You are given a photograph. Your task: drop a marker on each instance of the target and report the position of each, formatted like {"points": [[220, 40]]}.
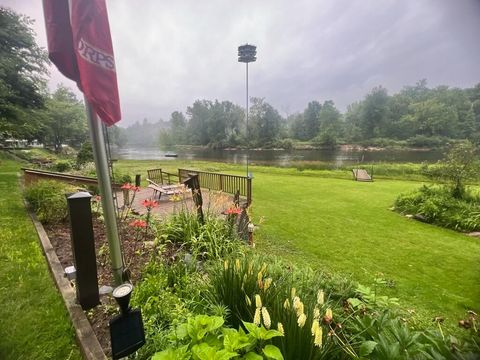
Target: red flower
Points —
{"points": [[98, 198], [138, 224], [149, 204], [126, 186], [233, 210], [135, 188]]}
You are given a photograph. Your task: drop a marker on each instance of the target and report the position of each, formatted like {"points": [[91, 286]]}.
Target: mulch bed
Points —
{"points": [[135, 257]]}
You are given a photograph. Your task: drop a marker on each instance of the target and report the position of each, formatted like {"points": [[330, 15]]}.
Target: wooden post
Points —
{"points": [[249, 191], [194, 184]]}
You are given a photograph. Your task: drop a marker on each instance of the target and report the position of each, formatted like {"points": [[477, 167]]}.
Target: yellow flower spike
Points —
{"points": [[296, 302], [280, 328], [260, 284], [320, 297], [259, 275], [301, 320], [300, 309], [286, 304], [314, 327], [293, 292], [247, 300], [256, 318], [316, 313], [266, 318], [264, 267], [225, 264], [328, 316], [258, 301], [237, 264], [267, 284], [318, 341]]}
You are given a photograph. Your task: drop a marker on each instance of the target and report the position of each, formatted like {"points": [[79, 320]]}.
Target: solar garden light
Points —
{"points": [[122, 295], [126, 329], [251, 229], [247, 53]]}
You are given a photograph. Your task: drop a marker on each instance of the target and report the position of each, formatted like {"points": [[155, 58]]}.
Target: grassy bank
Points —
{"points": [[35, 324], [325, 219]]}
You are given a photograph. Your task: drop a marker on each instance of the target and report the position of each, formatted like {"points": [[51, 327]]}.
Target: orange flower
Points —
{"points": [[138, 224], [234, 210], [149, 204]]}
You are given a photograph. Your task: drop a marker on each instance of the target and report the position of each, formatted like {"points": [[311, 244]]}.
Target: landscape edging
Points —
{"points": [[87, 341]]}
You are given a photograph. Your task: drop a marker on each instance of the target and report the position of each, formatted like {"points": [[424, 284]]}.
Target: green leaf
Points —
{"points": [[367, 347], [355, 303], [268, 334], [252, 356], [181, 353], [251, 327], [225, 355], [272, 352], [203, 351]]}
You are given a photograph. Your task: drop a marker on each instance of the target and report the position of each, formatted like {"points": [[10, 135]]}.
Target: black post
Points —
{"points": [[83, 249], [137, 180]]}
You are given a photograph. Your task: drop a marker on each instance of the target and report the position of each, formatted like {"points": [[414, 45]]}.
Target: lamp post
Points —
{"points": [[247, 53]]}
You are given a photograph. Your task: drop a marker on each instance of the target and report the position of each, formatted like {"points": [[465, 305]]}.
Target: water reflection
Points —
{"points": [[337, 157]]}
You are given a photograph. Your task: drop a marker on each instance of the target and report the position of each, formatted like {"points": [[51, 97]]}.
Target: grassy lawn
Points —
{"points": [[34, 321], [326, 220]]}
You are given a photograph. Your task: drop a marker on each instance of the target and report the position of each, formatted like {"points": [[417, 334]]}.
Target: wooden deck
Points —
{"points": [[213, 201]]}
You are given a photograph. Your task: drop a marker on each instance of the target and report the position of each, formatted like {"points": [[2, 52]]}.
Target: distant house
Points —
{"points": [[14, 143]]}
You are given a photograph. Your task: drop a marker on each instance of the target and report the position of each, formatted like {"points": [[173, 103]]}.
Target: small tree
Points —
{"points": [[461, 165]]}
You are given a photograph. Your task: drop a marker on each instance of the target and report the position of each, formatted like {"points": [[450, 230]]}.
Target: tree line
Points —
{"points": [[415, 116]]}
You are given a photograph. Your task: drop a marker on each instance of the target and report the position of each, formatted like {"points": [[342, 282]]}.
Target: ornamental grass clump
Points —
{"points": [[208, 240], [261, 291], [47, 199]]}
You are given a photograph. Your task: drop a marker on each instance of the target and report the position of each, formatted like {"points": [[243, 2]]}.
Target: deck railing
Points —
{"points": [[231, 184]]}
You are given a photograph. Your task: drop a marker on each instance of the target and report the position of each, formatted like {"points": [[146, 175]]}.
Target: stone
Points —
{"points": [[474, 234], [105, 290]]}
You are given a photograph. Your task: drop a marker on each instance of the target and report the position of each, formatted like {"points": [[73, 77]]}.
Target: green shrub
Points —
{"points": [[204, 337], [62, 166], [214, 238], [121, 178], [47, 199], [85, 154], [438, 206]]}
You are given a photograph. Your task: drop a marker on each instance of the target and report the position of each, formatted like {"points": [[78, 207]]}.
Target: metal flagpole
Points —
{"points": [[101, 166], [248, 133]]}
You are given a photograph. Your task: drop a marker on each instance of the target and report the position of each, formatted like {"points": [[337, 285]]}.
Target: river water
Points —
{"points": [[336, 157]]}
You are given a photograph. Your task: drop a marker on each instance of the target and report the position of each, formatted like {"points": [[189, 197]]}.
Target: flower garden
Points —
{"points": [[206, 294]]}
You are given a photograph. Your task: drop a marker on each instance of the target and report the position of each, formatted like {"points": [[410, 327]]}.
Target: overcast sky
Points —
{"points": [[170, 53]]}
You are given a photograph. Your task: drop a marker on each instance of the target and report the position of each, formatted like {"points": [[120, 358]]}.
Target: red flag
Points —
{"points": [[80, 45]]}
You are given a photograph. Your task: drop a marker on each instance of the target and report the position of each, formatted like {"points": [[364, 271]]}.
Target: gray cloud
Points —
{"points": [[170, 53]]}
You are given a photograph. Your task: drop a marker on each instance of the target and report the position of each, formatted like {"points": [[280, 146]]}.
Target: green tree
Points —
{"points": [[22, 71], [265, 122], [198, 114], [65, 119], [178, 128], [461, 165], [298, 129], [311, 119], [432, 118], [117, 136], [375, 113]]}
